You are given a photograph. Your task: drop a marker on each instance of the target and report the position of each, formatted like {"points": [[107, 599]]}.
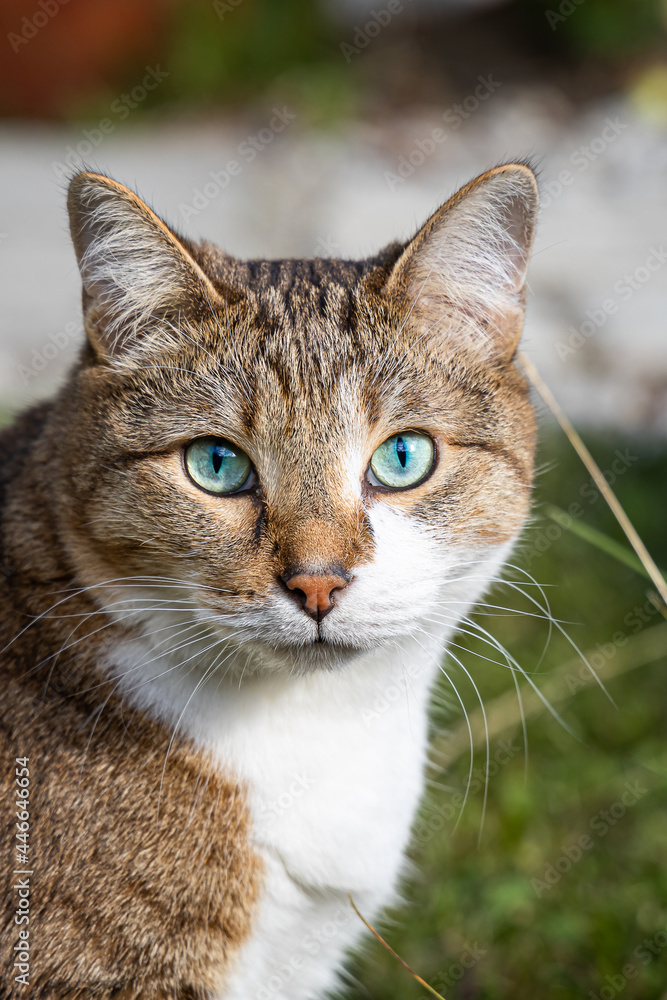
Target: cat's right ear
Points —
{"points": [[135, 270]]}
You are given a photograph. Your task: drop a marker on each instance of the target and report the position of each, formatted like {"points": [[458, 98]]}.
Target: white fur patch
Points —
{"points": [[332, 763]]}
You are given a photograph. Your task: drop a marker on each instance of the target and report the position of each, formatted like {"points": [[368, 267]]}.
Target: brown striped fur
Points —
{"points": [[145, 881]]}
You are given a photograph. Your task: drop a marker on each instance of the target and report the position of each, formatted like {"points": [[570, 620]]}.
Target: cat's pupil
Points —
{"points": [[401, 451], [216, 459]]}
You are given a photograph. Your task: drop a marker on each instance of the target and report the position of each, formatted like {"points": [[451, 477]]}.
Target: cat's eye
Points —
{"points": [[217, 466], [403, 459]]}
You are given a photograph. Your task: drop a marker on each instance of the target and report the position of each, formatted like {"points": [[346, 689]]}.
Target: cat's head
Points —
{"points": [[309, 457]]}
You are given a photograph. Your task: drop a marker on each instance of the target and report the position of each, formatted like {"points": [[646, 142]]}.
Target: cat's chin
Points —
{"points": [[306, 659]]}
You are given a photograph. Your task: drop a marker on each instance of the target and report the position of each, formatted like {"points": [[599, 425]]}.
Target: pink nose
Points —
{"points": [[315, 591]]}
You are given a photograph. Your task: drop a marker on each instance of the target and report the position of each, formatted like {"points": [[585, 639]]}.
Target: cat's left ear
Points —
{"points": [[134, 269], [462, 278]]}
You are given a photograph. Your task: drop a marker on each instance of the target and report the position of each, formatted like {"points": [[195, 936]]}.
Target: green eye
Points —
{"points": [[403, 460], [217, 465]]}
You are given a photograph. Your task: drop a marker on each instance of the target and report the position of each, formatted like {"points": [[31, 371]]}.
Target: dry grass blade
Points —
{"points": [[398, 958], [594, 469]]}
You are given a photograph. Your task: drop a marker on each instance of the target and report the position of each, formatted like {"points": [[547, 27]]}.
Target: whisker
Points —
{"points": [[486, 742], [472, 745], [511, 660], [567, 637], [209, 671]]}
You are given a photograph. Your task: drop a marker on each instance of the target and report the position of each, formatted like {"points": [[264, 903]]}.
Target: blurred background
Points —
{"points": [[288, 127]]}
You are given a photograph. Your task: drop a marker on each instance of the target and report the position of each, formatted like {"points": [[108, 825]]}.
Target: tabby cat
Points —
{"points": [[265, 495]]}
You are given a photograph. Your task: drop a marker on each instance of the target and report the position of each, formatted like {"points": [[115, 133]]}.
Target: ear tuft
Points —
{"points": [[133, 267], [465, 270]]}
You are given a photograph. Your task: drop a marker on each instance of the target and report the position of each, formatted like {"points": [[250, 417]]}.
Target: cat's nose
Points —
{"points": [[315, 591]]}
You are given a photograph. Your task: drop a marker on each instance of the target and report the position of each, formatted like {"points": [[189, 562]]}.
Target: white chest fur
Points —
{"points": [[333, 764]]}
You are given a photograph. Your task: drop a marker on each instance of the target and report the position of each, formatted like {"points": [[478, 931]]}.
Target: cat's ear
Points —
{"points": [[134, 269], [463, 275]]}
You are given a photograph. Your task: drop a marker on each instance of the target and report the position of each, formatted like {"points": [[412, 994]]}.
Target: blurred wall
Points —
{"points": [[348, 128]]}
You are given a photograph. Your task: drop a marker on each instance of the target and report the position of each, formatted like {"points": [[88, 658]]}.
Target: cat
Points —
{"points": [[265, 495]]}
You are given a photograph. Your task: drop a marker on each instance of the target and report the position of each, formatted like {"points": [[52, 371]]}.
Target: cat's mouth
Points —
{"points": [[306, 645]]}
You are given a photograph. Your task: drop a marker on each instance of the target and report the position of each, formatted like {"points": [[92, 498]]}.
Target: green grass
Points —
{"points": [[497, 903]]}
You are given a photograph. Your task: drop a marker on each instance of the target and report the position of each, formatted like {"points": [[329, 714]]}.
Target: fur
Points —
{"points": [[210, 782]]}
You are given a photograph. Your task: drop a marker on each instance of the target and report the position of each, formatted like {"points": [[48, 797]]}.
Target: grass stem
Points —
{"points": [[398, 958], [596, 473]]}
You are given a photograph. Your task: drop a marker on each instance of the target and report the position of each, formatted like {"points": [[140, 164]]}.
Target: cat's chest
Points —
{"points": [[334, 773], [332, 766]]}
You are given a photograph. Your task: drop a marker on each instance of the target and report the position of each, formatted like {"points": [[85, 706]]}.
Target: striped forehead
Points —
{"points": [[317, 363], [323, 371]]}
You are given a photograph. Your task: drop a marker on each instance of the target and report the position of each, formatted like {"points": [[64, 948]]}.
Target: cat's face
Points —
{"points": [[309, 458]]}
